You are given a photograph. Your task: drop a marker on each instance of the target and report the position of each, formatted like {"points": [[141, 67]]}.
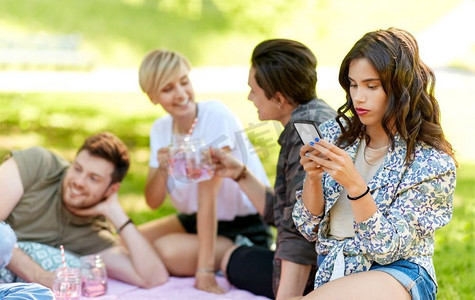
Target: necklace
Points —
{"points": [[192, 128], [193, 125]]}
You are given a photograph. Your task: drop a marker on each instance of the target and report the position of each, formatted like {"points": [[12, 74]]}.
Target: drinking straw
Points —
{"points": [[68, 285], [63, 257]]}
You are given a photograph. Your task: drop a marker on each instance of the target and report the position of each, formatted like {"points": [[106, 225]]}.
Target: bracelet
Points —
{"points": [[204, 270], [123, 226], [360, 196], [241, 175]]}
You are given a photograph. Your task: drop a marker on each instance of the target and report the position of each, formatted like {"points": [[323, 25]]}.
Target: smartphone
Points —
{"points": [[307, 131]]}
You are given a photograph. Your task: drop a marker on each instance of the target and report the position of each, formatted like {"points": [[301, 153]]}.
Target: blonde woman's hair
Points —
{"points": [[159, 67]]}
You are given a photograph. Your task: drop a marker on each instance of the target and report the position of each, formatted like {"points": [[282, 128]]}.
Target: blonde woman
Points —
{"points": [[211, 213]]}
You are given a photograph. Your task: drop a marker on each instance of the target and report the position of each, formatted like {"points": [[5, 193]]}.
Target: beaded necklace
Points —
{"points": [[193, 125]]}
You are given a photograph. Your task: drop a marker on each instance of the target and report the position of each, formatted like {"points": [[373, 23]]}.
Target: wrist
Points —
{"points": [[205, 270], [357, 194], [43, 277], [315, 178], [356, 187], [241, 175], [117, 217], [163, 167], [125, 224]]}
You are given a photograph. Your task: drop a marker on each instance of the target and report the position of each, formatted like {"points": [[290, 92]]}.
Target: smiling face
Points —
{"points": [[177, 95], [367, 94], [267, 109], [87, 181]]}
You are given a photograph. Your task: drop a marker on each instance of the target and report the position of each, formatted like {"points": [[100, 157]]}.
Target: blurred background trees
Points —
{"points": [[213, 32]]}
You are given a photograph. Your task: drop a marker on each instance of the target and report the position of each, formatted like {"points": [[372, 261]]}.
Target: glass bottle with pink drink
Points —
{"points": [[94, 276]]}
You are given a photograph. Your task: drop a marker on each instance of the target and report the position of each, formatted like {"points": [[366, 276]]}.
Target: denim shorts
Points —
{"points": [[413, 277]]}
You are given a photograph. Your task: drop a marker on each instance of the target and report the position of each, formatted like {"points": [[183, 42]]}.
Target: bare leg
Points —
{"points": [[295, 277], [365, 285], [180, 252], [160, 227]]}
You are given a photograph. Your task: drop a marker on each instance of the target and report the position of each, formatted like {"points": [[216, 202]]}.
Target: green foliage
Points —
{"points": [[62, 121]]}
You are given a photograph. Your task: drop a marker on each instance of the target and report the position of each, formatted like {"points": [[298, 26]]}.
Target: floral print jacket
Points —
{"points": [[414, 199]]}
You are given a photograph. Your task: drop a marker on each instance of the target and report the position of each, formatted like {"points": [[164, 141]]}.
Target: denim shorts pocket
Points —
{"points": [[424, 287], [413, 277]]}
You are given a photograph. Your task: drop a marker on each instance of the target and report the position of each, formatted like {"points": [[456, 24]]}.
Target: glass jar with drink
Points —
{"points": [[67, 284], [93, 275], [190, 160]]}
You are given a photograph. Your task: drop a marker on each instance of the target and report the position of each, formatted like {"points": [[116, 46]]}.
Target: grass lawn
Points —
{"points": [[62, 121]]}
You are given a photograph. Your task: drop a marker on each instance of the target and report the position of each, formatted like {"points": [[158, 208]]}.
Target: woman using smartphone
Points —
{"points": [[382, 178]]}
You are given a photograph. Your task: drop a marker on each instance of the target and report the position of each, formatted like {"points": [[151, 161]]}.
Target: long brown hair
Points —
{"points": [[413, 111]]}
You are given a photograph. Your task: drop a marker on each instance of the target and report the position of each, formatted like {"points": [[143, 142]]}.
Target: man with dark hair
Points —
{"points": [[50, 202], [286, 67], [283, 81]]}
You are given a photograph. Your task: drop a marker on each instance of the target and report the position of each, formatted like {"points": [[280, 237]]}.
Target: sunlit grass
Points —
{"points": [[454, 257]]}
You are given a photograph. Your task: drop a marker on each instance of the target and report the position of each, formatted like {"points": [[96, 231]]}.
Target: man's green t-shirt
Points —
{"points": [[40, 215]]}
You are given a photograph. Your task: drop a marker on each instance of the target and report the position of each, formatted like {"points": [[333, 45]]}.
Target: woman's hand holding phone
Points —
{"points": [[318, 155], [337, 163], [308, 156]]}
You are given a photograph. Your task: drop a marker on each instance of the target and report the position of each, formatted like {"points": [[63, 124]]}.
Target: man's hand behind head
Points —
{"points": [[104, 207]]}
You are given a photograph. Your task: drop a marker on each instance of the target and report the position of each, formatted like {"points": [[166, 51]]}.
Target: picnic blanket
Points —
{"points": [[176, 288]]}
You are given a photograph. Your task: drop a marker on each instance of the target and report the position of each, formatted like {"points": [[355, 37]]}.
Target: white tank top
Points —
{"points": [[367, 162]]}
